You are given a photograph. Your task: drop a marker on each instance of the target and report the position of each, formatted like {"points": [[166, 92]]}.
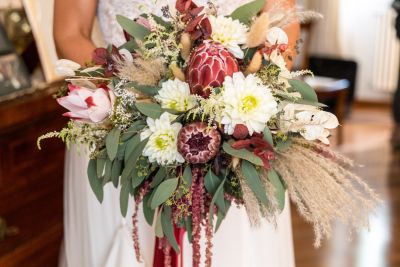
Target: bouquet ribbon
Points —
{"points": [[176, 258]]}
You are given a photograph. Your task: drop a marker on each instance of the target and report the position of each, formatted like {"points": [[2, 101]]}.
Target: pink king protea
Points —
{"points": [[198, 143], [208, 66]]}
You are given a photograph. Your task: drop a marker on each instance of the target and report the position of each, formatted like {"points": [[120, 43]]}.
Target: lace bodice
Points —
{"points": [[109, 9]]}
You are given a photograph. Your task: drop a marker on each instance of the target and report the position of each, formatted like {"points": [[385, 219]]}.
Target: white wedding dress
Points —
{"points": [[96, 235]]}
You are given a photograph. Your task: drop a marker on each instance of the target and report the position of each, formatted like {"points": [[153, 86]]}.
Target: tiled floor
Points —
{"points": [[367, 141]]}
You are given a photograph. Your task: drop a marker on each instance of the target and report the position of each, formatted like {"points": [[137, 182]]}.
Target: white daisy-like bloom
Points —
{"points": [[230, 33], [162, 144], [247, 101], [175, 95], [311, 122]]}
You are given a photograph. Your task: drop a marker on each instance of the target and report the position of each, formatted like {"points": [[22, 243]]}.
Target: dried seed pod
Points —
{"points": [[255, 63], [186, 44]]}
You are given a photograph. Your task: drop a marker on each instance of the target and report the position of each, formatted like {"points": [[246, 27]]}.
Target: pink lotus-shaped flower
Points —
{"points": [[198, 143], [91, 105]]}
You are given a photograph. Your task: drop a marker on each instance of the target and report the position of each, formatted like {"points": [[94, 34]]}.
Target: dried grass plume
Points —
{"points": [[323, 189], [143, 71], [258, 31]]}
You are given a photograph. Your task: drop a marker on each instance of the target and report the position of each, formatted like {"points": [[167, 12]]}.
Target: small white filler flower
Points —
{"points": [[247, 101], [162, 144], [175, 95], [230, 33]]}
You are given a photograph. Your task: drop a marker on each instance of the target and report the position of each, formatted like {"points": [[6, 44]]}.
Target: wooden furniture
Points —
{"points": [[31, 181]]}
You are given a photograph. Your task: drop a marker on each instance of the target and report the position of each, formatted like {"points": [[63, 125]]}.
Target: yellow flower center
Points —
{"points": [[162, 141], [249, 103]]}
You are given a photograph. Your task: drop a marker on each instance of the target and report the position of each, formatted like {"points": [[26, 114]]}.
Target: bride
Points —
{"points": [[95, 235]]}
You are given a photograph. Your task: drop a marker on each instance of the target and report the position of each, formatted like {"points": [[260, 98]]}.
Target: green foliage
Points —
{"points": [[168, 228], [218, 199], [280, 189], [124, 198], [211, 182], [306, 91], [151, 110], [112, 142], [187, 176], [147, 210], [246, 12], [145, 89], [253, 180], [163, 192], [94, 180], [132, 28], [242, 154], [268, 136]]}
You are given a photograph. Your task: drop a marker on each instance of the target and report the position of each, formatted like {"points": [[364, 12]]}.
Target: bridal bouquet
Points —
{"points": [[197, 112]]}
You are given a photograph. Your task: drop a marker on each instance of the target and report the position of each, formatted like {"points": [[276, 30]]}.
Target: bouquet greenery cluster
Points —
{"points": [[197, 112]]}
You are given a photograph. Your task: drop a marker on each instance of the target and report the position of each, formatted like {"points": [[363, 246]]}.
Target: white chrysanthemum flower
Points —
{"points": [[247, 102], [230, 33], [175, 95], [311, 122], [162, 144]]}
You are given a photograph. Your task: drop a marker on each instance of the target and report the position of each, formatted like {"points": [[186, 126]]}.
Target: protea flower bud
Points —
{"points": [[198, 143], [208, 66]]}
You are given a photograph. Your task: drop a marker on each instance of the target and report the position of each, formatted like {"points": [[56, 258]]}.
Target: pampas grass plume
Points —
{"points": [[177, 72], [255, 63], [186, 44]]}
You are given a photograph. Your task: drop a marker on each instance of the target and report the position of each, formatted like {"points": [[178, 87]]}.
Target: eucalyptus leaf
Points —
{"points": [[133, 28], [221, 216], [116, 172], [268, 136], [107, 171], [159, 177], [246, 12], [101, 162], [189, 229], [151, 110], [133, 130], [306, 91], [218, 199], [131, 46], [145, 89], [242, 154], [112, 142], [137, 179], [187, 176], [130, 146], [211, 182], [132, 159], [94, 181], [168, 228], [147, 211], [253, 180], [163, 192], [280, 190], [159, 229], [124, 199]]}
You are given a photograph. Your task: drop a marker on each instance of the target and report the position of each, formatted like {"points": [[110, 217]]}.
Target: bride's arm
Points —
{"points": [[73, 22], [293, 30]]}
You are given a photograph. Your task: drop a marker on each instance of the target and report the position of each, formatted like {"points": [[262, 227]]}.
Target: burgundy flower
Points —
{"points": [[198, 143], [197, 24], [240, 132], [259, 147], [105, 58], [208, 66]]}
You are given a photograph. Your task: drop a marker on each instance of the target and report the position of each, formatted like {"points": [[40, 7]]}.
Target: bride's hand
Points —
{"points": [[73, 23]]}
